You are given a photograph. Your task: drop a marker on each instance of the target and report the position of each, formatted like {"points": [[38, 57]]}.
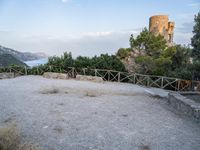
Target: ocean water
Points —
{"points": [[35, 63]]}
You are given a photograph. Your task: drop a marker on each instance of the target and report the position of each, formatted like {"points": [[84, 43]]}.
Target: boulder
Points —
{"points": [[53, 75], [6, 75], [89, 78]]}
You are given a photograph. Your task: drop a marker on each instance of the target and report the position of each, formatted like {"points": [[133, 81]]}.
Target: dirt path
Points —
{"points": [[69, 114]]}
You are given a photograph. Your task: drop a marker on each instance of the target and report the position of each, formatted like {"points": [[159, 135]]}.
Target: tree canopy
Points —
{"points": [[195, 41], [155, 57], [104, 61]]}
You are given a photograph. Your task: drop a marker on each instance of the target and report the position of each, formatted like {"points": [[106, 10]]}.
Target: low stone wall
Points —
{"points": [[89, 78], [6, 75], [53, 75], [184, 105]]}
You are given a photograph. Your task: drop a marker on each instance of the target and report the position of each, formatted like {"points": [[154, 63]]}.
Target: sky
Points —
{"points": [[87, 27]]}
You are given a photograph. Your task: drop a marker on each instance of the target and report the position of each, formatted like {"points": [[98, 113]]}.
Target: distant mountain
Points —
{"points": [[8, 59], [26, 56]]}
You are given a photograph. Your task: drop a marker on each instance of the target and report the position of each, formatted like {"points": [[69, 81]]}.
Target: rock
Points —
{"points": [[6, 75], [89, 78], [53, 75]]}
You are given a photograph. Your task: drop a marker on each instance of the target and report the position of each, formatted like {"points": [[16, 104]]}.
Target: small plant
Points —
{"points": [[10, 139], [91, 93], [145, 147], [51, 90]]}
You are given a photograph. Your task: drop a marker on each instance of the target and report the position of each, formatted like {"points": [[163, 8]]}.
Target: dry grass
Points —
{"points": [[50, 90], [58, 130], [92, 93], [145, 147], [28, 147], [10, 139]]}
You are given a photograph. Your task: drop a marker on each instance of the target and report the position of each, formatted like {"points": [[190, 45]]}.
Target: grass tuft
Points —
{"points": [[51, 90], [10, 139], [91, 94]]}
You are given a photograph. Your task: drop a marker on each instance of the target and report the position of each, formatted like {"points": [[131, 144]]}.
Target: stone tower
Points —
{"points": [[160, 24]]}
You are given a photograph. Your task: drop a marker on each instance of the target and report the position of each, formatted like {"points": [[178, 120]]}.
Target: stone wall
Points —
{"points": [[89, 78], [53, 75], [6, 75], [184, 105]]}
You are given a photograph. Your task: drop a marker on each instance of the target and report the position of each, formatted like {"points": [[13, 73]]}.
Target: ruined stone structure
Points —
{"points": [[160, 24]]}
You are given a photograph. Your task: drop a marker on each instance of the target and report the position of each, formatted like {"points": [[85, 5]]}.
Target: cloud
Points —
{"points": [[186, 27], [183, 33], [85, 44], [183, 38], [194, 4]]}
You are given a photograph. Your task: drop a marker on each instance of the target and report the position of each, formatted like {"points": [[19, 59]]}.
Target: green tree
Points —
{"points": [[104, 61], [64, 61], [123, 52], [83, 62], [148, 43], [181, 57], [195, 41], [153, 55]]}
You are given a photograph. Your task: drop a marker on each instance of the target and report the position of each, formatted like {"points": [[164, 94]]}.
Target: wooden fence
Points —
{"points": [[113, 76]]}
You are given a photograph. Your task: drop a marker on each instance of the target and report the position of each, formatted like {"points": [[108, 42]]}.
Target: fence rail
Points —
{"points": [[111, 75]]}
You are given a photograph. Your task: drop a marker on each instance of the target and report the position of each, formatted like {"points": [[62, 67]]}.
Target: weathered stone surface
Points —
{"points": [[160, 24], [54, 75], [89, 78], [184, 105], [6, 75]]}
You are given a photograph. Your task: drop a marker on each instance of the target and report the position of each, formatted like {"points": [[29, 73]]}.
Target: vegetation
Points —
{"points": [[104, 61], [152, 55], [156, 58], [7, 60], [195, 42], [123, 52], [10, 139]]}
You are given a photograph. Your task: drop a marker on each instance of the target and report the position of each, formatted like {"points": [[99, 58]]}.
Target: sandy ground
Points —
{"points": [[80, 115]]}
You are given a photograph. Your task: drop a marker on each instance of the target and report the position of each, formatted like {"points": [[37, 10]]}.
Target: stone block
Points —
{"points": [[6, 75], [53, 75], [89, 78]]}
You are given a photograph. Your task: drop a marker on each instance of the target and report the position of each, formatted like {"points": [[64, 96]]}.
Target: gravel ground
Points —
{"points": [[80, 115]]}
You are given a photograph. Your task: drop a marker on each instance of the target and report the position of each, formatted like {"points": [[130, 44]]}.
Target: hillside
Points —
{"points": [[26, 56], [7, 59]]}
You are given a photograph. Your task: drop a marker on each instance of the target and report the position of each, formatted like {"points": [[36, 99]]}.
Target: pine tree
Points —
{"points": [[195, 41]]}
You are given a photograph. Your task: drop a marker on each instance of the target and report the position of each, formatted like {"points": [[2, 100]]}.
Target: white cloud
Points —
{"points": [[86, 44], [183, 38], [194, 4]]}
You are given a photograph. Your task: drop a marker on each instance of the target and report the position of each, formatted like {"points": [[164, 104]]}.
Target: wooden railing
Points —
{"points": [[113, 76]]}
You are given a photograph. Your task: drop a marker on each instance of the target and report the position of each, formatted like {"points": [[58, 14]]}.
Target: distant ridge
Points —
{"points": [[7, 60], [26, 56]]}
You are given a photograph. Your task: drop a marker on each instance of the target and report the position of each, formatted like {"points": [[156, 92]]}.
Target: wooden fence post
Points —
{"points": [[134, 76], [38, 73], [50, 68], [119, 77], [25, 70], [73, 74], [83, 71], [95, 72], [108, 75], [148, 80], [162, 80]]}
